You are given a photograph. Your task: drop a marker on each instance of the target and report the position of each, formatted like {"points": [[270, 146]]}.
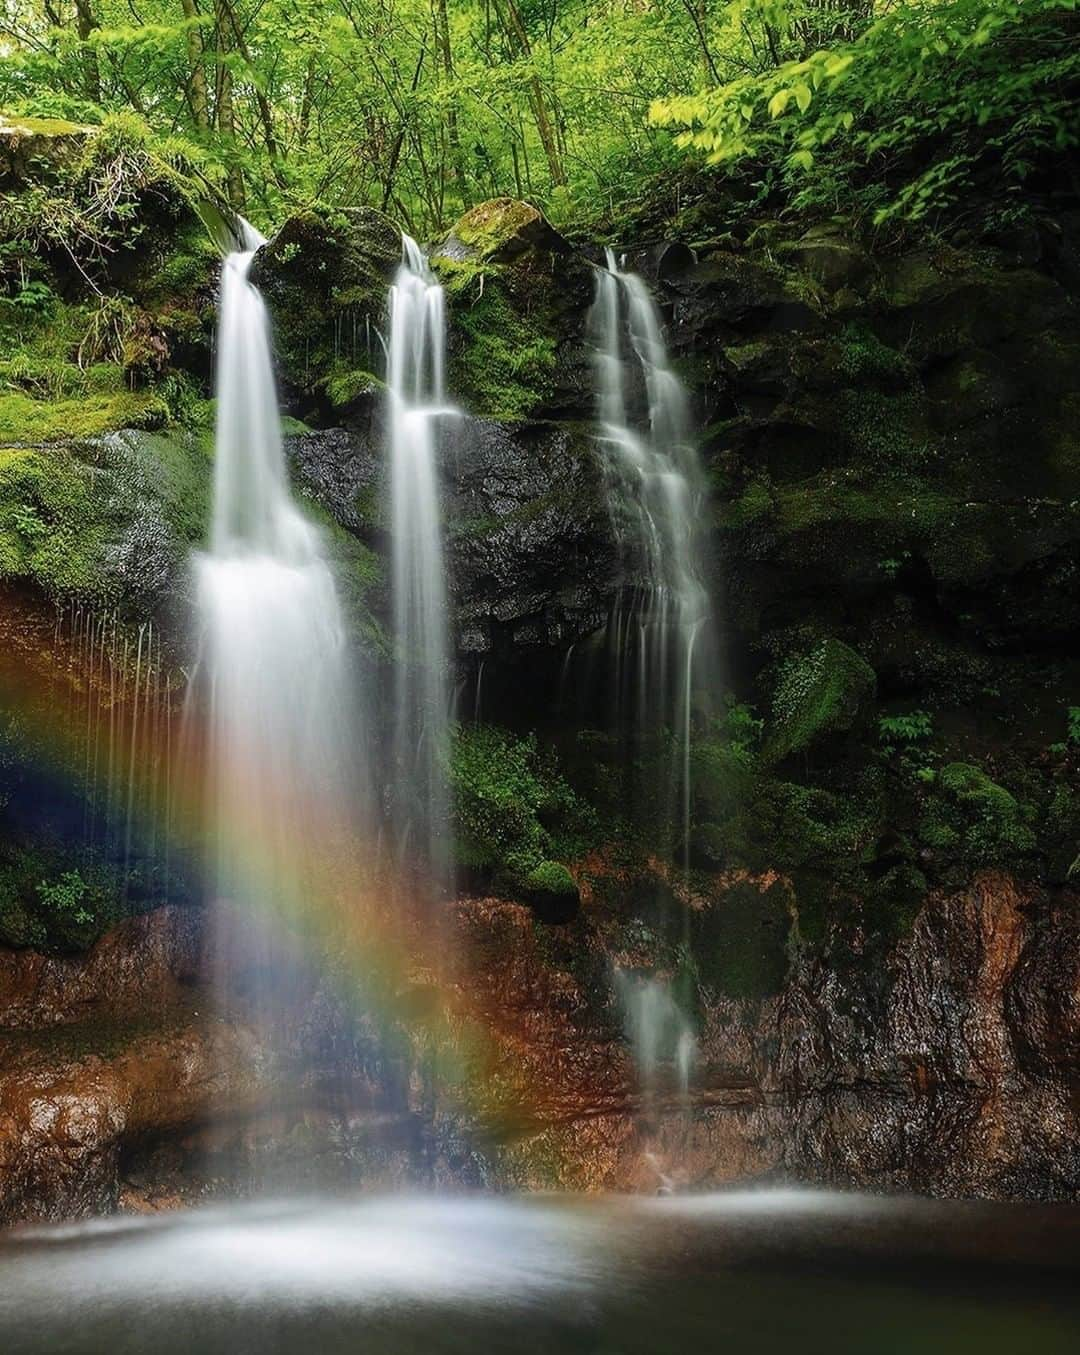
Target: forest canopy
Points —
{"points": [[885, 110]]}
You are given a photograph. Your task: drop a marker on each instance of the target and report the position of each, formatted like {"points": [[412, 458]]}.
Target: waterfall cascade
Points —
{"points": [[656, 494], [660, 1034], [272, 666], [416, 381]]}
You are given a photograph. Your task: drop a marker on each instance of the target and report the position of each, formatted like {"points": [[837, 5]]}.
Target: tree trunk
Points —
{"points": [[226, 113], [85, 24], [200, 101], [442, 36], [520, 46]]}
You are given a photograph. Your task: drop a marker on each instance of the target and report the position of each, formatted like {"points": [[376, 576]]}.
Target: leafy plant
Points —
{"points": [[67, 897]]}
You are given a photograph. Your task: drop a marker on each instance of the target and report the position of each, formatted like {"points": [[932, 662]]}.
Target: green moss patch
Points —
{"points": [[502, 359], [515, 816], [821, 693]]}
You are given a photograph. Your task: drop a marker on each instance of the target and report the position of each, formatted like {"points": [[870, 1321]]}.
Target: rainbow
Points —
{"points": [[104, 705]]}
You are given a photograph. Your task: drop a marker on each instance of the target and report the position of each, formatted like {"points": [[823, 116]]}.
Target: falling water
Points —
{"points": [[656, 494], [416, 380], [661, 1037], [272, 663]]}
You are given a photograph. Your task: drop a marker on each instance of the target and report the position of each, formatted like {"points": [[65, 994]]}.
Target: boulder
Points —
{"points": [[500, 232], [325, 280]]}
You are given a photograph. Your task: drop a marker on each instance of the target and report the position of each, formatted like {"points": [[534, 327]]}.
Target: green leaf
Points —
{"points": [[779, 102], [803, 97]]}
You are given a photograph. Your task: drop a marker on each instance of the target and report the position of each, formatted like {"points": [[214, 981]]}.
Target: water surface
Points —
{"points": [[774, 1271]]}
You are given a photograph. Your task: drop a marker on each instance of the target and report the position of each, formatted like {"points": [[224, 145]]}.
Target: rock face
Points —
{"points": [[954, 1072], [951, 1068], [98, 1050]]}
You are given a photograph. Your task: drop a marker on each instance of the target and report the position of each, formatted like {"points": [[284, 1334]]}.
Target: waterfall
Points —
{"points": [[660, 1033], [416, 381], [272, 668], [656, 494]]}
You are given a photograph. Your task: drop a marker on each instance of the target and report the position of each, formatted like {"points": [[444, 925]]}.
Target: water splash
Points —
{"points": [[416, 379], [273, 669], [656, 494]]}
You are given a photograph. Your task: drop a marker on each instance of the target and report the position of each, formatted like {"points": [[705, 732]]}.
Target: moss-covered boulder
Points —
{"points": [[824, 692], [325, 279], [517, 298], [110, 520], [27, 142], [500, 232]]}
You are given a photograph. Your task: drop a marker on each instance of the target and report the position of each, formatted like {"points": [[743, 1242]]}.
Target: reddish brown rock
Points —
{"points": [[146, 963], [72, 1098]]}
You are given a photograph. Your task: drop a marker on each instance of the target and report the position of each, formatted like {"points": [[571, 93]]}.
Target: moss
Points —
{"points": [[741, 941], [17, 125], [821, 693], [502, 361], [888, 432], [325, 277], [28, 422], [100, 519], [752, 505], [345, 384], [863, 357], [514, 814], [551, 877], [498, 231], [973, 818]]}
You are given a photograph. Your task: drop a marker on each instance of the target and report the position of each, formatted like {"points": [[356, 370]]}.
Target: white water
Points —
{"points": [[656, 495], [272, 652], [661, 1037], [416, 380]]}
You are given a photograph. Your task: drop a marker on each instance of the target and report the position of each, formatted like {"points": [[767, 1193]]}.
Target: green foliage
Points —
{"points": [[910, 727], [48, 904], [66, 897], [515, 815], [1072, 720], [905, 117]]}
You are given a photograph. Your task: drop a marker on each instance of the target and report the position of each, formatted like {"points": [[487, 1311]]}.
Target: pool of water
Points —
{"points": [[739, 1272]]}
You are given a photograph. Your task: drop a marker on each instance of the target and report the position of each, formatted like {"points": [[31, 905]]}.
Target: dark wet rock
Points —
{"points": [[529, 548], [927, 1080], [529, 539], [828, 254]]}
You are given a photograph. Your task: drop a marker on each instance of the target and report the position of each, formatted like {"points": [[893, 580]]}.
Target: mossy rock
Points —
{"points": [[325, 279], [26, 142], [824, 692], [971, 821], [551, 891], [502, 358], [109, 520], [499, 232], [25, 421]]}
